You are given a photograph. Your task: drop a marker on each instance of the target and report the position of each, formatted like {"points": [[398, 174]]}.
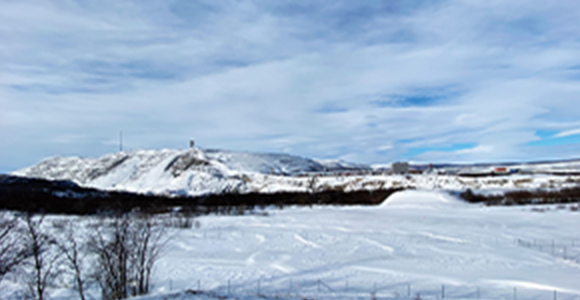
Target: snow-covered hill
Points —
{"points": [[186, 172], [195, 172]]}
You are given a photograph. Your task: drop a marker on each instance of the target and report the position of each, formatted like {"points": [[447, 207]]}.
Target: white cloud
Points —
{"points": [[478, 149], [567, 133], [338, 80]]}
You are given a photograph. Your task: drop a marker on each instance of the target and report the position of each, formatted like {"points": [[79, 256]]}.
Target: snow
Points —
{"points": [[417, 239], [197, 172], [422, 199], [424, 239], [185, 172]]}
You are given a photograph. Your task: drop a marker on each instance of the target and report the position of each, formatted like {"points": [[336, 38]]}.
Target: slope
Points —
{"points": [[181, 172]]}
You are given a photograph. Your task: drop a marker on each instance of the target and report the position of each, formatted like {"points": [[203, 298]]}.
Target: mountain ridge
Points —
{"points": [[197, 172], [179, 172]]}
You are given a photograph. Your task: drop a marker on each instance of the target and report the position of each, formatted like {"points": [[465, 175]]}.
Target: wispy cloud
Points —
{"points": [[568, 133], [337, 79]]}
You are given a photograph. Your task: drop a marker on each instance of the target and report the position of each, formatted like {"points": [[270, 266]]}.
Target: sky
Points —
{"points": [[362, 81]]}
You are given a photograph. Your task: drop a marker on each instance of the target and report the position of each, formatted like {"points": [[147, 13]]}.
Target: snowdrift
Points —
{"points": [[422, 199]]}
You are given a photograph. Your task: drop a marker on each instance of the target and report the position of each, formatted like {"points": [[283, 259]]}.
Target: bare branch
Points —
{"points": [[12, 252]]}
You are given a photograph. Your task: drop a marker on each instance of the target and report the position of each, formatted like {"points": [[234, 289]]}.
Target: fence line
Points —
{"points": [[350, 288], [567, 251], [322, 290]]}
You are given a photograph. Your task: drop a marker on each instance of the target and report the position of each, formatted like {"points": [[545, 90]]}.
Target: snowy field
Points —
{"points": [[425, 240], [417, 242]]}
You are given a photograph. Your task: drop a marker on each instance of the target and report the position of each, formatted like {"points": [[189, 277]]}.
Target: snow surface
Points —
{"points": [[197, 172], [422, 240], [422, 199]]}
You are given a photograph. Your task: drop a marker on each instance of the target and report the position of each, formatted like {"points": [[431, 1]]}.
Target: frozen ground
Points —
{"points": [[416, 242]]}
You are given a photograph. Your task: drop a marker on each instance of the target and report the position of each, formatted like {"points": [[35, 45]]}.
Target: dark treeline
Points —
{"points": [[523, 197], [65, 197]]}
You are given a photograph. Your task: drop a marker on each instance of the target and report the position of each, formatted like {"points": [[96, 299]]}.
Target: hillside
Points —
{"points": [[184, 172], [197, 172]]}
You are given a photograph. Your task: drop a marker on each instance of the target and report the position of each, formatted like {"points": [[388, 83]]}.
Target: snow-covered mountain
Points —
{"points": [[196, 172], [184, 172]]}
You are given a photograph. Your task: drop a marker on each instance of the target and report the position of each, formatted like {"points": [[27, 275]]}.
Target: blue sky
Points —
{"points": [[364, 81]]}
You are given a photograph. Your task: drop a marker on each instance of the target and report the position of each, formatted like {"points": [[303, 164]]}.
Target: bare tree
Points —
{"points": [[39, 244], [127, 247], [12, 251], [72, 249], [146, 245], [109, 243]]}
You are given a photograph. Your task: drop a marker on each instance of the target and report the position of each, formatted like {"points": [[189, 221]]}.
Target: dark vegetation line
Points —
{"points": [[524, 197], [65, 197], [494, 174]]}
